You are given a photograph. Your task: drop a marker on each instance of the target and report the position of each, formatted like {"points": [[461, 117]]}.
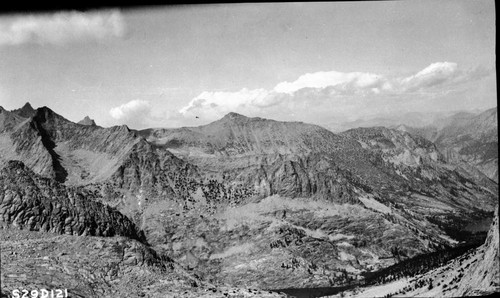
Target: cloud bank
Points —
{"points": [[62, 28], [321, 98], [356, 82], [333, 92], [134, 113]]}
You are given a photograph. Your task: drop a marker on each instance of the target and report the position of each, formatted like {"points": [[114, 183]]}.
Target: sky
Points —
{"points": [[188, 65]]}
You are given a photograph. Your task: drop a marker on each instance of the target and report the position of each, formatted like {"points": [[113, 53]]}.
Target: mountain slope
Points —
{"points": [[34, 209], [20, 141], [397, 183], [296, 159], [81, 154], [252, 201]]}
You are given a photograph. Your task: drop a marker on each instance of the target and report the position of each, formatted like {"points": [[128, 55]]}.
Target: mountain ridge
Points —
{"points": [[300, 201]]}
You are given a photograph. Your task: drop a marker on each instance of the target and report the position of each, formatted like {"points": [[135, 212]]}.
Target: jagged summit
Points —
{"points": [[27, 107], [87, 121], [50, 119], [26, 111]]}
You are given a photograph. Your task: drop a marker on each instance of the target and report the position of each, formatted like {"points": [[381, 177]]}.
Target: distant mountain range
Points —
{"points": [[413, 119], [251, 201], [466, 138]]}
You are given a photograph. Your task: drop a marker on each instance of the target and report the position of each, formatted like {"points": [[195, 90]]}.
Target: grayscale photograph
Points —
{"points": [[236, 150]]}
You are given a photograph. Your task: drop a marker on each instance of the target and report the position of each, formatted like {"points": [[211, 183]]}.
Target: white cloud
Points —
{"points": [[219, 103], [320, 94], [434, 74], [62, 27], [343, 82], [134, 113]]}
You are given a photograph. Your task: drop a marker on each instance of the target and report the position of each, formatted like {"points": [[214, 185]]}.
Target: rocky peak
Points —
{"points": [[232, 116], [235, 115], [87, 121], [48, 118], [26, 111]]}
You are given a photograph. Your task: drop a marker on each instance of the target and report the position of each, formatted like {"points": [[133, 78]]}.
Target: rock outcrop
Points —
{"points": [[31, 202], [482, 277]]}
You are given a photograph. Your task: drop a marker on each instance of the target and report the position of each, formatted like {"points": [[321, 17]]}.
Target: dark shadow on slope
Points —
{"points": [[315, 292], [417, 265], [60, 172]]}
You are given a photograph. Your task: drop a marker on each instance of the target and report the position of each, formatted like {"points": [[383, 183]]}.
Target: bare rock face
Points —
{"points": [[31, 202], [484, 276]]}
